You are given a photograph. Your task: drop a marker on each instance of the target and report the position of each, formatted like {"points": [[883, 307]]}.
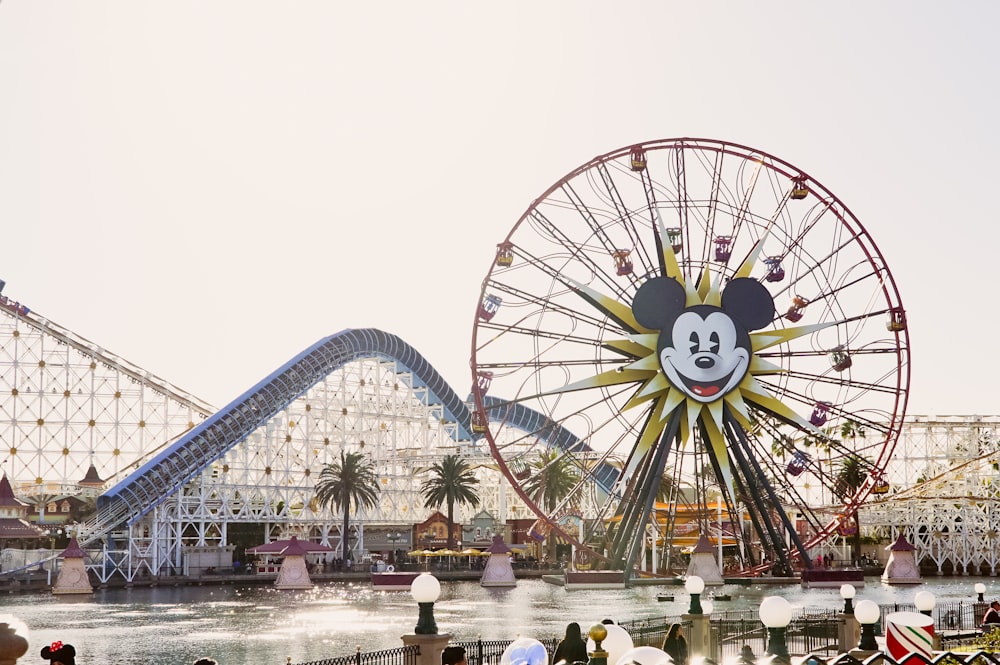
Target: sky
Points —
{"points": [[207, 188]]}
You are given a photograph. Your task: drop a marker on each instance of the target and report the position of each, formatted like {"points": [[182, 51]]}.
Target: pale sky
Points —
{"points": [[206, 188]]}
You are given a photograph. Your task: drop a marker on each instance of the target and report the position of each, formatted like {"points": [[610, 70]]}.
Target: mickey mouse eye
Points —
{"points": [[714, 340], [695, 343]]}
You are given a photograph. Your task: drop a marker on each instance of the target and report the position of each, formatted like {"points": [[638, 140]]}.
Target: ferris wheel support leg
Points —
{"points": [[631, 534], [792, 534]]}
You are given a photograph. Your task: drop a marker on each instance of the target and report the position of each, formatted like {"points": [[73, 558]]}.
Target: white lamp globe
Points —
{"points": [[980, 587], [525, 651], [866, 611], [616, 643], [644, 656], [924, 601], [847, 591], [775, 612], [425, 588], [694, 584]]}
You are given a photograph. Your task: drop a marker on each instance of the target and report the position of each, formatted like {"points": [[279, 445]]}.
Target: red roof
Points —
{"points": [[11, 527], [7, 497]]}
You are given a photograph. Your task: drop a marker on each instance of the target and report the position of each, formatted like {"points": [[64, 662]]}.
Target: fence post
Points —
{"points": [[479, 649], [357, 655]]}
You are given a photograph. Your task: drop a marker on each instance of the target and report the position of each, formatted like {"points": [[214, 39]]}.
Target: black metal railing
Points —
{"points": [[811, 631], [488, 652], [398, 656]]}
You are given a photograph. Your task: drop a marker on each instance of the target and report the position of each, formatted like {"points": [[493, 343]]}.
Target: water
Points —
{"points": [[261, 625]]}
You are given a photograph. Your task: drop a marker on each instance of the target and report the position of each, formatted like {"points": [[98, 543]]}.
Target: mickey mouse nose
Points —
{"points": [[705, 362]]}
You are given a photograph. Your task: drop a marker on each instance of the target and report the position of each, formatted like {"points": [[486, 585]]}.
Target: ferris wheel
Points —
{"points": [[719, 340]]}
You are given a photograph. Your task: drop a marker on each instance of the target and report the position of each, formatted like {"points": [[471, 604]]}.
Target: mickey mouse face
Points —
{"points": [[704, 356], [704, 350]]}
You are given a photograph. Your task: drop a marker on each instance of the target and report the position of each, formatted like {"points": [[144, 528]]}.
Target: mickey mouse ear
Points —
{"points": [[657, 302]]}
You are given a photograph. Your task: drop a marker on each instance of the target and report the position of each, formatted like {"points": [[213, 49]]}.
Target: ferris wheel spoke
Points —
{"points": [[637, 239]]}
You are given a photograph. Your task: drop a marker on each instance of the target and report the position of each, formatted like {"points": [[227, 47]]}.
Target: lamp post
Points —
{"points": [[867, 614], [776, 614], [598, 632], [980, 589], [847, 592], [924, 601], [425, 589], [695, 585], [393, 537]]}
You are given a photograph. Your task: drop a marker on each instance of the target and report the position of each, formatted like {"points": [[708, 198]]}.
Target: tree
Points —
{"points": [[850, 476], [351, 481], [451, 482], [554, 476]]}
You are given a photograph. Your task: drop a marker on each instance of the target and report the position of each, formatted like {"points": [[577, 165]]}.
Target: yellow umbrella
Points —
{"points": [[415, 553], [446, 553], [470, 551]]}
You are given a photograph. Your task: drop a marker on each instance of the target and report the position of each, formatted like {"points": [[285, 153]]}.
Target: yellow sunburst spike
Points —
{"points": [[604, 379], [673, 400], [760, 366], [628, 347], [758, 395], [714, 295], [713, 428], [652, 388], [704, 283], [738, 407], [768, 338], [751, 260], [607, 305], [647, 438]]}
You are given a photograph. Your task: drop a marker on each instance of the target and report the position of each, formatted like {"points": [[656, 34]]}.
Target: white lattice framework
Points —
{"points": [[945, 493], [66, 403]]}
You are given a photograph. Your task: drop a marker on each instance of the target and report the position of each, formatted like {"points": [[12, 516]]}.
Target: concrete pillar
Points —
{"points": [[431, 646], [700, 638], [848, 632]]}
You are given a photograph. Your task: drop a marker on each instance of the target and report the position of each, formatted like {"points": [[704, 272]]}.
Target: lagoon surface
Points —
{"points": [[261, 625]]}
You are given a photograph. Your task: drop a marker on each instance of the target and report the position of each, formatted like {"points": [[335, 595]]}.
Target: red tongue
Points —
{"points": [[705, 391]]}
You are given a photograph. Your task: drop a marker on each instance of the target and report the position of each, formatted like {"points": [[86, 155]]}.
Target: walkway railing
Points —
{"points": [[399, 656], [813, 632]]}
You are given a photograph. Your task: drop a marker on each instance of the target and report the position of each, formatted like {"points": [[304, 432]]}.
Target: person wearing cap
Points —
{"points": [[991, 619]]}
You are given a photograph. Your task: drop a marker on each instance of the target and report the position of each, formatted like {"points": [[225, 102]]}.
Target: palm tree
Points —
{"points": [[850, 477], [350, 481], [451, 481], [554, 476]]}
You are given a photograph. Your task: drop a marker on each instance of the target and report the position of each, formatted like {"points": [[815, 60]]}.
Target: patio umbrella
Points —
{"points": [[290, 546]]}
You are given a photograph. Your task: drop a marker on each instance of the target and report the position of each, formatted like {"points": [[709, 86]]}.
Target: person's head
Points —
{"points": [[573, 631], [746, 651], [995, 604], [205, 661], [607, 622], [59, 654], [674, 630], [453, 656]]}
